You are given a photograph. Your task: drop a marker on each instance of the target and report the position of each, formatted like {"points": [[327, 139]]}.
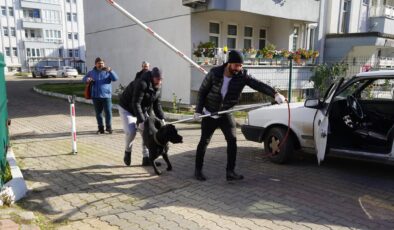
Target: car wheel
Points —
{"points": [[272, 141]]}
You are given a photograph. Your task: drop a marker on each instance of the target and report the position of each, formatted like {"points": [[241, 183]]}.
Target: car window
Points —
{"points": [[381, 89], [352, 89]]}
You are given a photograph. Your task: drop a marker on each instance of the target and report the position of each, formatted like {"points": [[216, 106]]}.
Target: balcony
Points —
{"points": [[382, 11], [40, 4], [42, 43], [38, 23], [304, 10], [386, 62]]}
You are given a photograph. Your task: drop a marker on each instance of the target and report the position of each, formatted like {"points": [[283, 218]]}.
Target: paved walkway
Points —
{"points": [[94, 190]]}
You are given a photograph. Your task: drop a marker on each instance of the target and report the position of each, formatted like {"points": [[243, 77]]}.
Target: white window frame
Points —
{"points": [[265, 39], [248, 38], [297, 45], [215, 35], [232, 36]]}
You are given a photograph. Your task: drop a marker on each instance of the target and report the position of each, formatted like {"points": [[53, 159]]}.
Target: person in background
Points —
{"points": [[101, 93], [145, 67]]}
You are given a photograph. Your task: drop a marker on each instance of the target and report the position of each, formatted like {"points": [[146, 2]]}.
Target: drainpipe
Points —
{"points": [[322, 28]]}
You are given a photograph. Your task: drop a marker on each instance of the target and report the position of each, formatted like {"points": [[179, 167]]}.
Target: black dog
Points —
{"points": [[156, 137]]}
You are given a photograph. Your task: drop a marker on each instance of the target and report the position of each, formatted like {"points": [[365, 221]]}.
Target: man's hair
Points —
{"points": [[98, 59], [145, 63]]}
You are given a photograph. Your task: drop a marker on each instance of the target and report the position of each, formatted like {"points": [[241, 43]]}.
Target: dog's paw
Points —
{"points": [[169, 168], [158, 172]]}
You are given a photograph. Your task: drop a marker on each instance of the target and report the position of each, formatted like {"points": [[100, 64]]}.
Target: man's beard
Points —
{"points": [[232, 71], [158, 86]]}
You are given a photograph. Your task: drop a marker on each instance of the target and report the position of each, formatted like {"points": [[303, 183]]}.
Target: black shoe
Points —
{"points": [[100, 130], [231, 176], [109, 129], [199, 175], [127, 158], [146, 162]]}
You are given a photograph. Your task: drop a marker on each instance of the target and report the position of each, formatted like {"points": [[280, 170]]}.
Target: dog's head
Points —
{"points": [[171, 134]]}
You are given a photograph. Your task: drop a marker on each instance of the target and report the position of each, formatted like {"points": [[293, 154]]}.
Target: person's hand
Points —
{"points": [[279, 98], [108, 69], [197, 116], [89, 79], [163, 121], [141, 126]]}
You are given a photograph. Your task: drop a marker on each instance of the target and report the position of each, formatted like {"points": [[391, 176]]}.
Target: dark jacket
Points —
{"points": [[210, 97], [139, 74], [140, 97]]}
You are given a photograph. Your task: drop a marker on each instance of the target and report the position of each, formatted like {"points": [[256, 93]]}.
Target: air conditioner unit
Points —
{"points": [[193, 3]]}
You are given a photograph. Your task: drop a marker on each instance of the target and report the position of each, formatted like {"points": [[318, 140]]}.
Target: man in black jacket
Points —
{"points": [[145, 67], [221, 90], [136, 103]]}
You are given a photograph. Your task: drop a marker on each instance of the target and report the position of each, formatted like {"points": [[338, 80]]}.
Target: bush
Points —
{"points": [[22, 74], [325, 75]]}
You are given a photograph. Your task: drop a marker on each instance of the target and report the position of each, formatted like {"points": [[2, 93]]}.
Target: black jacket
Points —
{"points": [[210, 97], [140, 97], [139, 74]]}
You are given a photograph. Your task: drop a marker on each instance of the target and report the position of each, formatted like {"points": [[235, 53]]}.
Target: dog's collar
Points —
{"points": [[157, 141]]}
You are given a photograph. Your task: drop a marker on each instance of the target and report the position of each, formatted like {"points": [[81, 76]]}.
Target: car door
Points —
{"points": [[321, 124]]}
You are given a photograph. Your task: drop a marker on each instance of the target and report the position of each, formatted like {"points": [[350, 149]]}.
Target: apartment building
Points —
{"points": [[42, 32]]}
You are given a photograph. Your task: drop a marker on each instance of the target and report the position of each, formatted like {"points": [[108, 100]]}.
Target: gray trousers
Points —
{"points": [[130, 129]]}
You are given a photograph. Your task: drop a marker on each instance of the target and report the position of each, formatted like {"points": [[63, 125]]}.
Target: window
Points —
{"points": [[32, 34], [75, 18], [295, 38], [28, 52], [232, 36], [67, 0], [7, 51], [214, 31], [262, 38], [15, 51], [312, 32], [13, 32], [382, 89], [76, 53], [69, 17], [70, 53], [3, 11], [5, 31], [248, 37], [76, 36], [36, 13], [11, 11], [346, 16], [365, 2], [38, 52], [70, 36], [33, 52], [60, 52]]}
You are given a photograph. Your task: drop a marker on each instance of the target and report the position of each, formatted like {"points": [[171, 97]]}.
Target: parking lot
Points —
{"points": [[93, 189]]}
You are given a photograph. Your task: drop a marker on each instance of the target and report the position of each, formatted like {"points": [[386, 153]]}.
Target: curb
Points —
{"points": [[17, 183], [169, 116]]}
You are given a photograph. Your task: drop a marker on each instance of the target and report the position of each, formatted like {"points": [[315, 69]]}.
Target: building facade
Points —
{"points": [[358, 32], [42, 32], [237, 24]]}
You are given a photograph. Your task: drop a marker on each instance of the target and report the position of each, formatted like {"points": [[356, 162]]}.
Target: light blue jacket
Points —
{"points": [[102, 82]]}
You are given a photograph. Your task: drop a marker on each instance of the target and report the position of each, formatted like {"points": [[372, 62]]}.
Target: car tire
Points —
{"points": [[285, 153]]}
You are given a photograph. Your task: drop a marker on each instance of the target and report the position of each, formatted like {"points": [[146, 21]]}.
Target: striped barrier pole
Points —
{"points": [[71, 100]]}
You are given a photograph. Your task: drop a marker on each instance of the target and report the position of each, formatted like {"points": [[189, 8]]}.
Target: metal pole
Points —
{"points": [[221, 112], [154, 34], [71, 100], [290, 80]]}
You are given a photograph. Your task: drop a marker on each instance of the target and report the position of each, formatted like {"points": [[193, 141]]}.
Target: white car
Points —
{"points": [[354, 119], [67, 71]]}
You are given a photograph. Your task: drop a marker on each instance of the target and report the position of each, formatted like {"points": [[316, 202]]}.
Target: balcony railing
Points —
{"points": [[386, 62], [37, 20], [44, 40], [382, 11]]}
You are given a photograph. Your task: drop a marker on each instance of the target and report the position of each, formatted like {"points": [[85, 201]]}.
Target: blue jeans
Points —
{"points": [[101, 104]]}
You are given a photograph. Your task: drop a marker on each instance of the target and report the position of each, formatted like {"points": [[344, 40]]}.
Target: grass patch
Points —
{"points": [[7, 173], [22, 74]]}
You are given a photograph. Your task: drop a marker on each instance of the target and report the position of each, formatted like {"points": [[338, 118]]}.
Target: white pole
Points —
{"points": [[154, 34], [73, 124]]}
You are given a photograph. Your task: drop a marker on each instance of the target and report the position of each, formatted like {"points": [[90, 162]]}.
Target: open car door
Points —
{"points": [[321, 124]]}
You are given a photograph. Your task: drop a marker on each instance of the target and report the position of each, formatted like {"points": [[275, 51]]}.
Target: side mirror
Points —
{"points": [[313, 103]]}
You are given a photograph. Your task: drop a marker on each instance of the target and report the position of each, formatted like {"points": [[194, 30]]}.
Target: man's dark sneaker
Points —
{"points": [[109, 129], [232, 176], [127, 158], [100, 130], [199, 175], [146, 162]]}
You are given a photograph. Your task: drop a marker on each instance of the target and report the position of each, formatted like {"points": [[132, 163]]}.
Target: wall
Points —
{"points": [[124, 45]]}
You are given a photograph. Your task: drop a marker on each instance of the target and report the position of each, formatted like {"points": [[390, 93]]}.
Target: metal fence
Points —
{"points": [[4, 136]]}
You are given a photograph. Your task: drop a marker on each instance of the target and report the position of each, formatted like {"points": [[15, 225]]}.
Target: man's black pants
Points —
{"points": [[208, 126]]}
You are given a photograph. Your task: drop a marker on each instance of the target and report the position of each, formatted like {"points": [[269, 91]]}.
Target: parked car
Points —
{"points": [[44, 71], [67, 71], [354, 119]]}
